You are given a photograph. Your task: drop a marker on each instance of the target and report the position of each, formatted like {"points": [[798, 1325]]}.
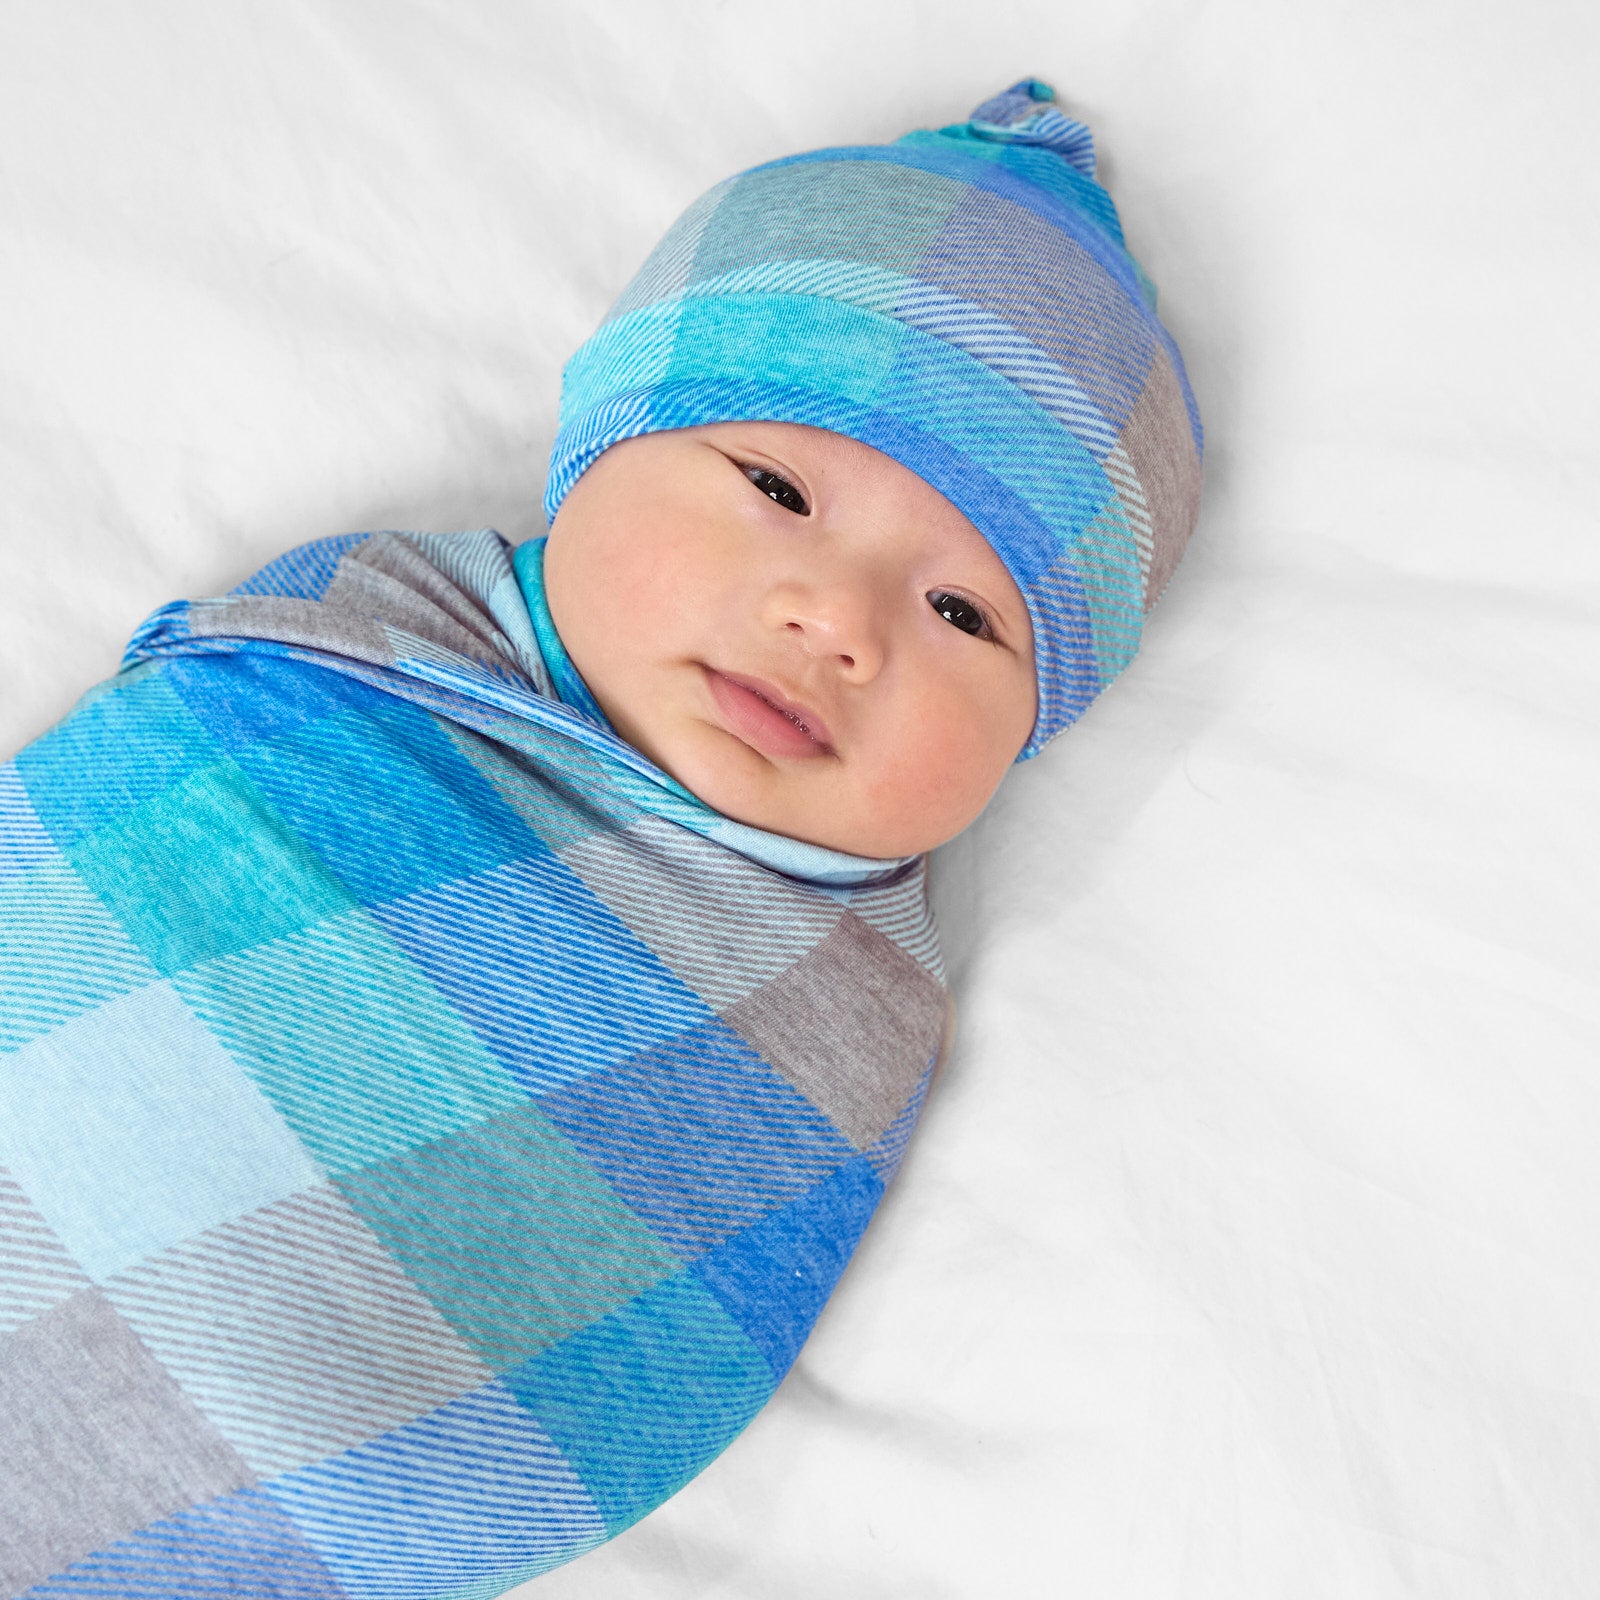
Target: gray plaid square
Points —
{"points": [[96, 1440], [296, 1331], [853, 1026]]}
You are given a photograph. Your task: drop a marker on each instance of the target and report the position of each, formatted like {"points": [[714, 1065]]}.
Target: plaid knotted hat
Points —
{"points": [[961, 300]]}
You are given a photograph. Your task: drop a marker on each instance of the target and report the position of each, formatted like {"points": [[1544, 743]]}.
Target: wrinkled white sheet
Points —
{"points": [[1249, 1247]]}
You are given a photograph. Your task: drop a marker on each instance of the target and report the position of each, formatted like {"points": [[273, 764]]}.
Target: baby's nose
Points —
{"points": [[835, 619]]}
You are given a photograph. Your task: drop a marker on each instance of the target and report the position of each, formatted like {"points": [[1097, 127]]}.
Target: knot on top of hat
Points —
{"points": [[1023, 114]]}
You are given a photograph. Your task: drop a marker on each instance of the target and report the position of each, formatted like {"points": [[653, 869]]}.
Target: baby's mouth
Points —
{"points": [[765, 719]]}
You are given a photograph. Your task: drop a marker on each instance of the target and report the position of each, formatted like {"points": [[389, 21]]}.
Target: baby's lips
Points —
{"points": [[762, 714]]}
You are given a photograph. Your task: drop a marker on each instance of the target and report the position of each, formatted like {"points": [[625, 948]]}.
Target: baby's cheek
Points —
{"points": [[978, 737], [919, 790]]}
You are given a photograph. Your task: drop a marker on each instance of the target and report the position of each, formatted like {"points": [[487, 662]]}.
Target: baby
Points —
{"points": [[460, 1006]]}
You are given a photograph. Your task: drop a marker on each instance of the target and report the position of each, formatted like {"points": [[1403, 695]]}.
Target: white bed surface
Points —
{"points": [[1248, 1247]]}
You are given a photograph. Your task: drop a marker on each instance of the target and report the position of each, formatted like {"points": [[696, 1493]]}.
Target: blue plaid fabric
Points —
{"points": [[427, 1133], [961, 300]]}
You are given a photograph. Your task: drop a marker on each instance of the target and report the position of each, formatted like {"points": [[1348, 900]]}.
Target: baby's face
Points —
{"points": [[798, 629]]}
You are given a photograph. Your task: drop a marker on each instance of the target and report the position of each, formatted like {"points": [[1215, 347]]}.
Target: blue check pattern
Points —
{"points": [[427, 1134]]}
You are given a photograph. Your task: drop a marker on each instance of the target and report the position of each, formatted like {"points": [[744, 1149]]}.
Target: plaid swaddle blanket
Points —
{"points": [[427, 1134]]}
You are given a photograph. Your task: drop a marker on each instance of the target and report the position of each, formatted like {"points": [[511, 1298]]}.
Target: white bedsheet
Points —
{"points": [[1249, 1246]]}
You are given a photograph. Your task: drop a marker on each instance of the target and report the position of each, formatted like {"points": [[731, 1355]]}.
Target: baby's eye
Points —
{"points": [[963, 613], [779, 489]]}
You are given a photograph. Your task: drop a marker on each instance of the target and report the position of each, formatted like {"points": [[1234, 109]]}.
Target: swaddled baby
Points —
{"points": [[461, 1005]]}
